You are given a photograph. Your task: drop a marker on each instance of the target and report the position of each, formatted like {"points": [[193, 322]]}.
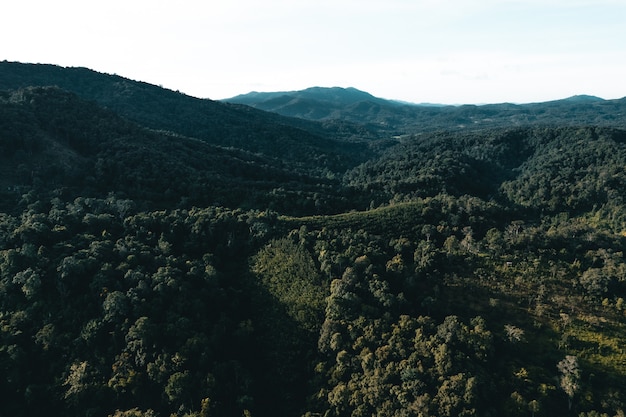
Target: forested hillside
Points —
{"points": [[55, 142], [278, 267], [218, 123]]}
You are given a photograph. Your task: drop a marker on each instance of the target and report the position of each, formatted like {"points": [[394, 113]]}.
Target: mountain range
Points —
{"points": [[302, 156], [360, 107], [314, 253]]}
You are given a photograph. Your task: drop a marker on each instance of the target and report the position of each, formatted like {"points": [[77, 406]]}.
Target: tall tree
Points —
{"points": [[569, 378]]}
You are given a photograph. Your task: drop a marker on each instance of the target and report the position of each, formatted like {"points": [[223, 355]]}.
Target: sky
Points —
{"points": [[421, 51]]}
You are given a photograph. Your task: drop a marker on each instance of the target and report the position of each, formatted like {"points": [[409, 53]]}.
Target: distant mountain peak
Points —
{"points": [[337, 95], [314, 103], [583, 98]]}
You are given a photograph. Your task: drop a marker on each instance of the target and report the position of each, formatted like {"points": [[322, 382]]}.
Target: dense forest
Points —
{"points": [[162, 255]]}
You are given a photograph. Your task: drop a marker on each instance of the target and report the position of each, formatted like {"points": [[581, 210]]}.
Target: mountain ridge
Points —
{"points": [[365, 116], [322, 104], [346, 96], [353, 94], [222, 124]]}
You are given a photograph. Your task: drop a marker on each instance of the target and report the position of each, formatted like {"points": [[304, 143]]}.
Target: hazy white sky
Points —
{"points": [[442, 51]]}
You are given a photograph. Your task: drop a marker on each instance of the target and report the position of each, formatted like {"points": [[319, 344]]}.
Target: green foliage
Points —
{"points": [[138, 322], [289, 273]]}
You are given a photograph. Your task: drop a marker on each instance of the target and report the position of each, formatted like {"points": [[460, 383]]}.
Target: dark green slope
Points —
{"points": [[52, 140], [294, 141]]}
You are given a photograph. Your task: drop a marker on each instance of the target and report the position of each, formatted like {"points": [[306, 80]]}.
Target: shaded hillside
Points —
{"points": [[53, 140], [221, 124], [401, 118]]}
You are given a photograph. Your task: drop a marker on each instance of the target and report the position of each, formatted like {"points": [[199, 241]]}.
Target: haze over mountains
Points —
{"points": [[313, 253], [360, 107]]}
